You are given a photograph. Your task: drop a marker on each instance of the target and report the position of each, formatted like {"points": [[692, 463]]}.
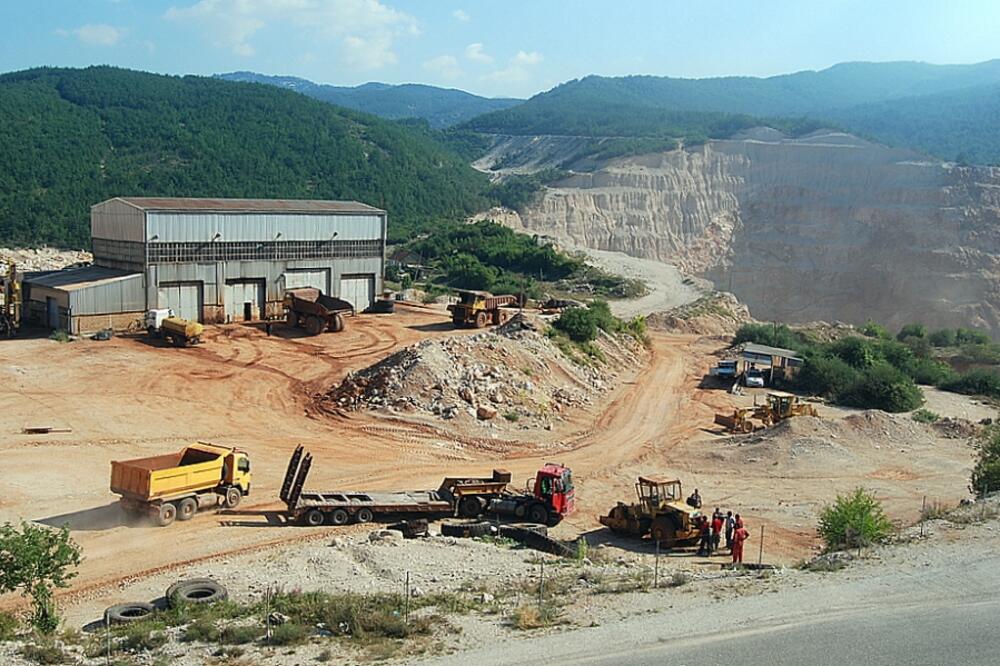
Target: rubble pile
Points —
{"points": [[513, 371], [44, 258]]}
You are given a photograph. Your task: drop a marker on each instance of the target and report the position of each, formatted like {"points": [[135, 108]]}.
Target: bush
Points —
{"points": [[142, 636], [828, 376], [600, 311], [925, 416], [290, 633], [768, 334], [531, 617], [201, 630], [853, 521], [886, 388], [33, 560], [637, 328], [975, 382], [240, 634], [912, 331], [969, 336], [44, 653], [578, 323], [986, 473], [873, 329], [8, 627], [942, 338]]}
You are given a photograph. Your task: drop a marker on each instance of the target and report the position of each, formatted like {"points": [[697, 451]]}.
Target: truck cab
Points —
{"points": [[236, 471], [554, 487]]}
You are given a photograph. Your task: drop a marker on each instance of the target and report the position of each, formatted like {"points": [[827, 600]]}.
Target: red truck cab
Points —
{"points": [[554, 486]]}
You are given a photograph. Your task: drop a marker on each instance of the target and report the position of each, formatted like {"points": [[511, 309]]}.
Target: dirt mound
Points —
{"points": [[512, 377], [717, 313]]}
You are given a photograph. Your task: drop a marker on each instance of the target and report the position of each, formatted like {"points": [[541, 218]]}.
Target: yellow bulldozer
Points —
{"points": [[779, 406], [661, 512]]}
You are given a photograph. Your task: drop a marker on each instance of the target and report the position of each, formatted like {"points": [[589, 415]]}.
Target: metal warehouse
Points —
{"points": [[212, 260]]}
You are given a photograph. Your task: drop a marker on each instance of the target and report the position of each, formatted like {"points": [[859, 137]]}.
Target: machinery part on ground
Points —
{"points": [[314, 310], [534, 539], [506, 528], [660, 512], [129, 612], [477, 308], [466, 530], [411, 528], [196, 591]]}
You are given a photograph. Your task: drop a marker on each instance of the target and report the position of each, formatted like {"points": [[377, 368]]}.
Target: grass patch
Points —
{"points": [[973, 514], [925, 416], [59, 335], [142, 637], [44, 653], [532, 617], [512, 416], [240, 634], [934, 511], [202, 630], [8, 627], [290, 633]]}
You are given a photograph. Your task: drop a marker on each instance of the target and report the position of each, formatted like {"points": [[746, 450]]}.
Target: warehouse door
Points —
{"points": [[184, 298], [318, 279], [358, 290], [244, 300], [52, 312]]}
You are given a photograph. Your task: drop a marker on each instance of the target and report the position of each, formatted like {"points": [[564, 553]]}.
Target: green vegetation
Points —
{"points": [[46, 652], [986, 473], [925, 416], [33, 560], [519, 191], [8, 627], [853, 521], [578, 323]]}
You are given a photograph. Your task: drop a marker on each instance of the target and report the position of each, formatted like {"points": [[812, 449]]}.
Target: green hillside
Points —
{"points": [[70, 138]]}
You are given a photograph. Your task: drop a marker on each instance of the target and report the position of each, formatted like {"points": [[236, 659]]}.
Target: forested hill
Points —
{"points": [[440, 107], [70, 138]]}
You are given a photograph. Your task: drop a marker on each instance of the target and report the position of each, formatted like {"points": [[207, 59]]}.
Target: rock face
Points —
{"points": [[826, 226]]}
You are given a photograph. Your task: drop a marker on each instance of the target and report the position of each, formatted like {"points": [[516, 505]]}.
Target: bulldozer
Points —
{"points": [[778, 407], [661, 512]]}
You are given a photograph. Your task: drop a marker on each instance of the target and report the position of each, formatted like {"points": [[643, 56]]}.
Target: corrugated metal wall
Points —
{"points": [[125, 295], [261, 227], [116, 220]]}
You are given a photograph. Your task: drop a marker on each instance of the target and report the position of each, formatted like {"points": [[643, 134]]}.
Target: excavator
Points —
{"points": [[10, 308]]}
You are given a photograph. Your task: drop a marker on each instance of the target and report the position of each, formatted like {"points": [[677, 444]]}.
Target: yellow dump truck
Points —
{"points": [[177, 485]]}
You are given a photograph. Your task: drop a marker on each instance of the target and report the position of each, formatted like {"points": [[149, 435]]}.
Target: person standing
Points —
{"points": [[739, 536], [705, 530], [694, 500], [730, 526], [716, 529]]}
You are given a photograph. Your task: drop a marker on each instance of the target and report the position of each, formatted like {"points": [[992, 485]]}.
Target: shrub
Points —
{"points": [[637, 328], [942, 338], [44, 653], [600, 311], [873, 329], [513, 417], [531, 617], [925, 416], [578, 323], [768, 334], [33, 560], [59, 335], [886, 388], [912, 331], [8, 627], [827, 375], [240, 634], [971, 336], [986, 473], [929, 372], [142, 636], [975, 382], [290, 633], [856, 352], [201, 630], [853, 520]]}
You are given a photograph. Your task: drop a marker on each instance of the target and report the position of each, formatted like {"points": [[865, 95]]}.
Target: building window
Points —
{"points": [[166, 253]]}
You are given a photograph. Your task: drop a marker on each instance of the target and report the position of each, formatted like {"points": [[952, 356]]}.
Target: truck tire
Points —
{"points": [[186, 508], [292, 318], [458, 321], [336, 324], [233, 497], [466, 530], [471, 507], [364, 515], [196, 591], [314, 518], [130, 612], [166, 514], [497, 317], [314, 325], [339, 517], [480, 319], [538, 513]]}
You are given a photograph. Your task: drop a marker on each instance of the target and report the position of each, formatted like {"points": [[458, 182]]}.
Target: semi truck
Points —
{"points": [[315, 311], [547, 501], [177, 485]]}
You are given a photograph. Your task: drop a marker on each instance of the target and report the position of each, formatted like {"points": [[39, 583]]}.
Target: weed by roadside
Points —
{"points": [[8, 627], [532, 617], [44, 652], [925, 416]]}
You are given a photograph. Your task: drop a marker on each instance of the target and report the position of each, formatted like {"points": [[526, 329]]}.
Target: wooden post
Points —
{"points": [[760, 553], [541, 584], [923, 515], [656, 566], [406, 599], [107, 629]]}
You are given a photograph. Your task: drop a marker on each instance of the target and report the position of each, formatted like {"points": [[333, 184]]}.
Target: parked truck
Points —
{"points": [[177, 485], [315, 311], [478, 308], [162, 323], [549, 499]]}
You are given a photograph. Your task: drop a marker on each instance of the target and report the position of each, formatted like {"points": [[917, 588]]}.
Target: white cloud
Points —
{"points": [[95, 34], [445, 66], [523, 58], [362, 31], [518, 68], [461, 15], [476, 53]]}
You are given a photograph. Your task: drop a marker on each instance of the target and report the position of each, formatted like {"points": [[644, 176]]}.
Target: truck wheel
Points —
{"points": [[480, 319], [186, 508], [195, 591], [292, 318], [125, 613], [166, 514], [497, 317], [470, 507], [339, 517], [466, 530], [336, 324], [538, 513], [457, 321], [364, 515], [233, 497], [314, 518], [314, 325]]}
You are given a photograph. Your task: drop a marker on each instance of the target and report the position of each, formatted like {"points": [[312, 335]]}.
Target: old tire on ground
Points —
{"points": [[336, 323], [364, 515], [292, 318], [314, 325], [480, 319], [466, 530], [506, 530], [470, 507], [131, 612], [538, 513], [186, 508], [196, 591], [339, 517], [314, 518], [166, 514], [233, 497]]}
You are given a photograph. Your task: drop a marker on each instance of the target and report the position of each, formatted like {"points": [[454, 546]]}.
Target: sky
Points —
{"points": [[496, 48]]}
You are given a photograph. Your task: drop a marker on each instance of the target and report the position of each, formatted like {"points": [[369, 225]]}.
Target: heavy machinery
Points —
{"points": [[661, 512], [549, 500], [10, 309], [315, 311], [778, 407], [478, 308], [177, 485], [161, 323]]}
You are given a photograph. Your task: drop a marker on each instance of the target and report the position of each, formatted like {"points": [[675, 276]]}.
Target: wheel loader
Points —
{"points": [[779, 406], [661, 512]]}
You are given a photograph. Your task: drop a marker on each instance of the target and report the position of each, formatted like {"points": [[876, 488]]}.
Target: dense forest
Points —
{"points": [[71, 138]]}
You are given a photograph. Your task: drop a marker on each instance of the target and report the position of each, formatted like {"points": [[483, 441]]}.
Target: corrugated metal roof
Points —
{"points": [[247, 205], [72, 279], [764, 350]]}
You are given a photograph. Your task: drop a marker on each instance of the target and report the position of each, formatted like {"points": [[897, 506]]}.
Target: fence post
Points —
{"points": [[107, 629], [656, 566], [541, 583], [923, 515], [406, 599], [760, 553]]}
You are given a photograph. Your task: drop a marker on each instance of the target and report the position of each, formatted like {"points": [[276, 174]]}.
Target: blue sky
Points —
{"points": [[493, 48]]}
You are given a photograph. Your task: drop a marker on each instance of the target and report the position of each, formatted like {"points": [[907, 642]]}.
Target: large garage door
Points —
{"points": [[358, 290], [319, 279], [244, 300], [184, 298]]}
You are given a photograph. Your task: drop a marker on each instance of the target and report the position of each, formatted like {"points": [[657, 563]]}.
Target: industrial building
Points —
{"points": [[211, 260]]}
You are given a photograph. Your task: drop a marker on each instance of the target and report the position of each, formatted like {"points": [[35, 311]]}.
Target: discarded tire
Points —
{"points": [[411, 528], [466, 530], [131, 612], [530, 527], [196, 591], [538, 541]]}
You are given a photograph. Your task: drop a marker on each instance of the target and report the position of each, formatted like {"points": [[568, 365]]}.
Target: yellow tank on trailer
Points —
{"points": [[182, 332]]}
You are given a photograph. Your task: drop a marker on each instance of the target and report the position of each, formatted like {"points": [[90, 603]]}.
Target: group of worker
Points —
{"points": [[712, 529]]}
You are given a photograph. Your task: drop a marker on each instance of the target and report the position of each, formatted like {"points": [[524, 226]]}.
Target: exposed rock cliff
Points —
{"points": [[826, 226]]}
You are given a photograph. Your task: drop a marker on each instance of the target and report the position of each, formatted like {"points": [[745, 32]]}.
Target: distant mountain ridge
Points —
{"points": [[440, 107]]}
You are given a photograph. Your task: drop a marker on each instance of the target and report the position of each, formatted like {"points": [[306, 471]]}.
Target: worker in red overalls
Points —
{"points": [[739, 536]]}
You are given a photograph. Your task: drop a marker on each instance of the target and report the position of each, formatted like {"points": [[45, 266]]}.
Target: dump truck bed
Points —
{"points": [[193, 468], [309, 300]]}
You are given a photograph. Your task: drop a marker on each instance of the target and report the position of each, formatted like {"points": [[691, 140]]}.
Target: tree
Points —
{"points": [[853, 521], [986, 473], [578, 323], [33, 560], [911, 331]]}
